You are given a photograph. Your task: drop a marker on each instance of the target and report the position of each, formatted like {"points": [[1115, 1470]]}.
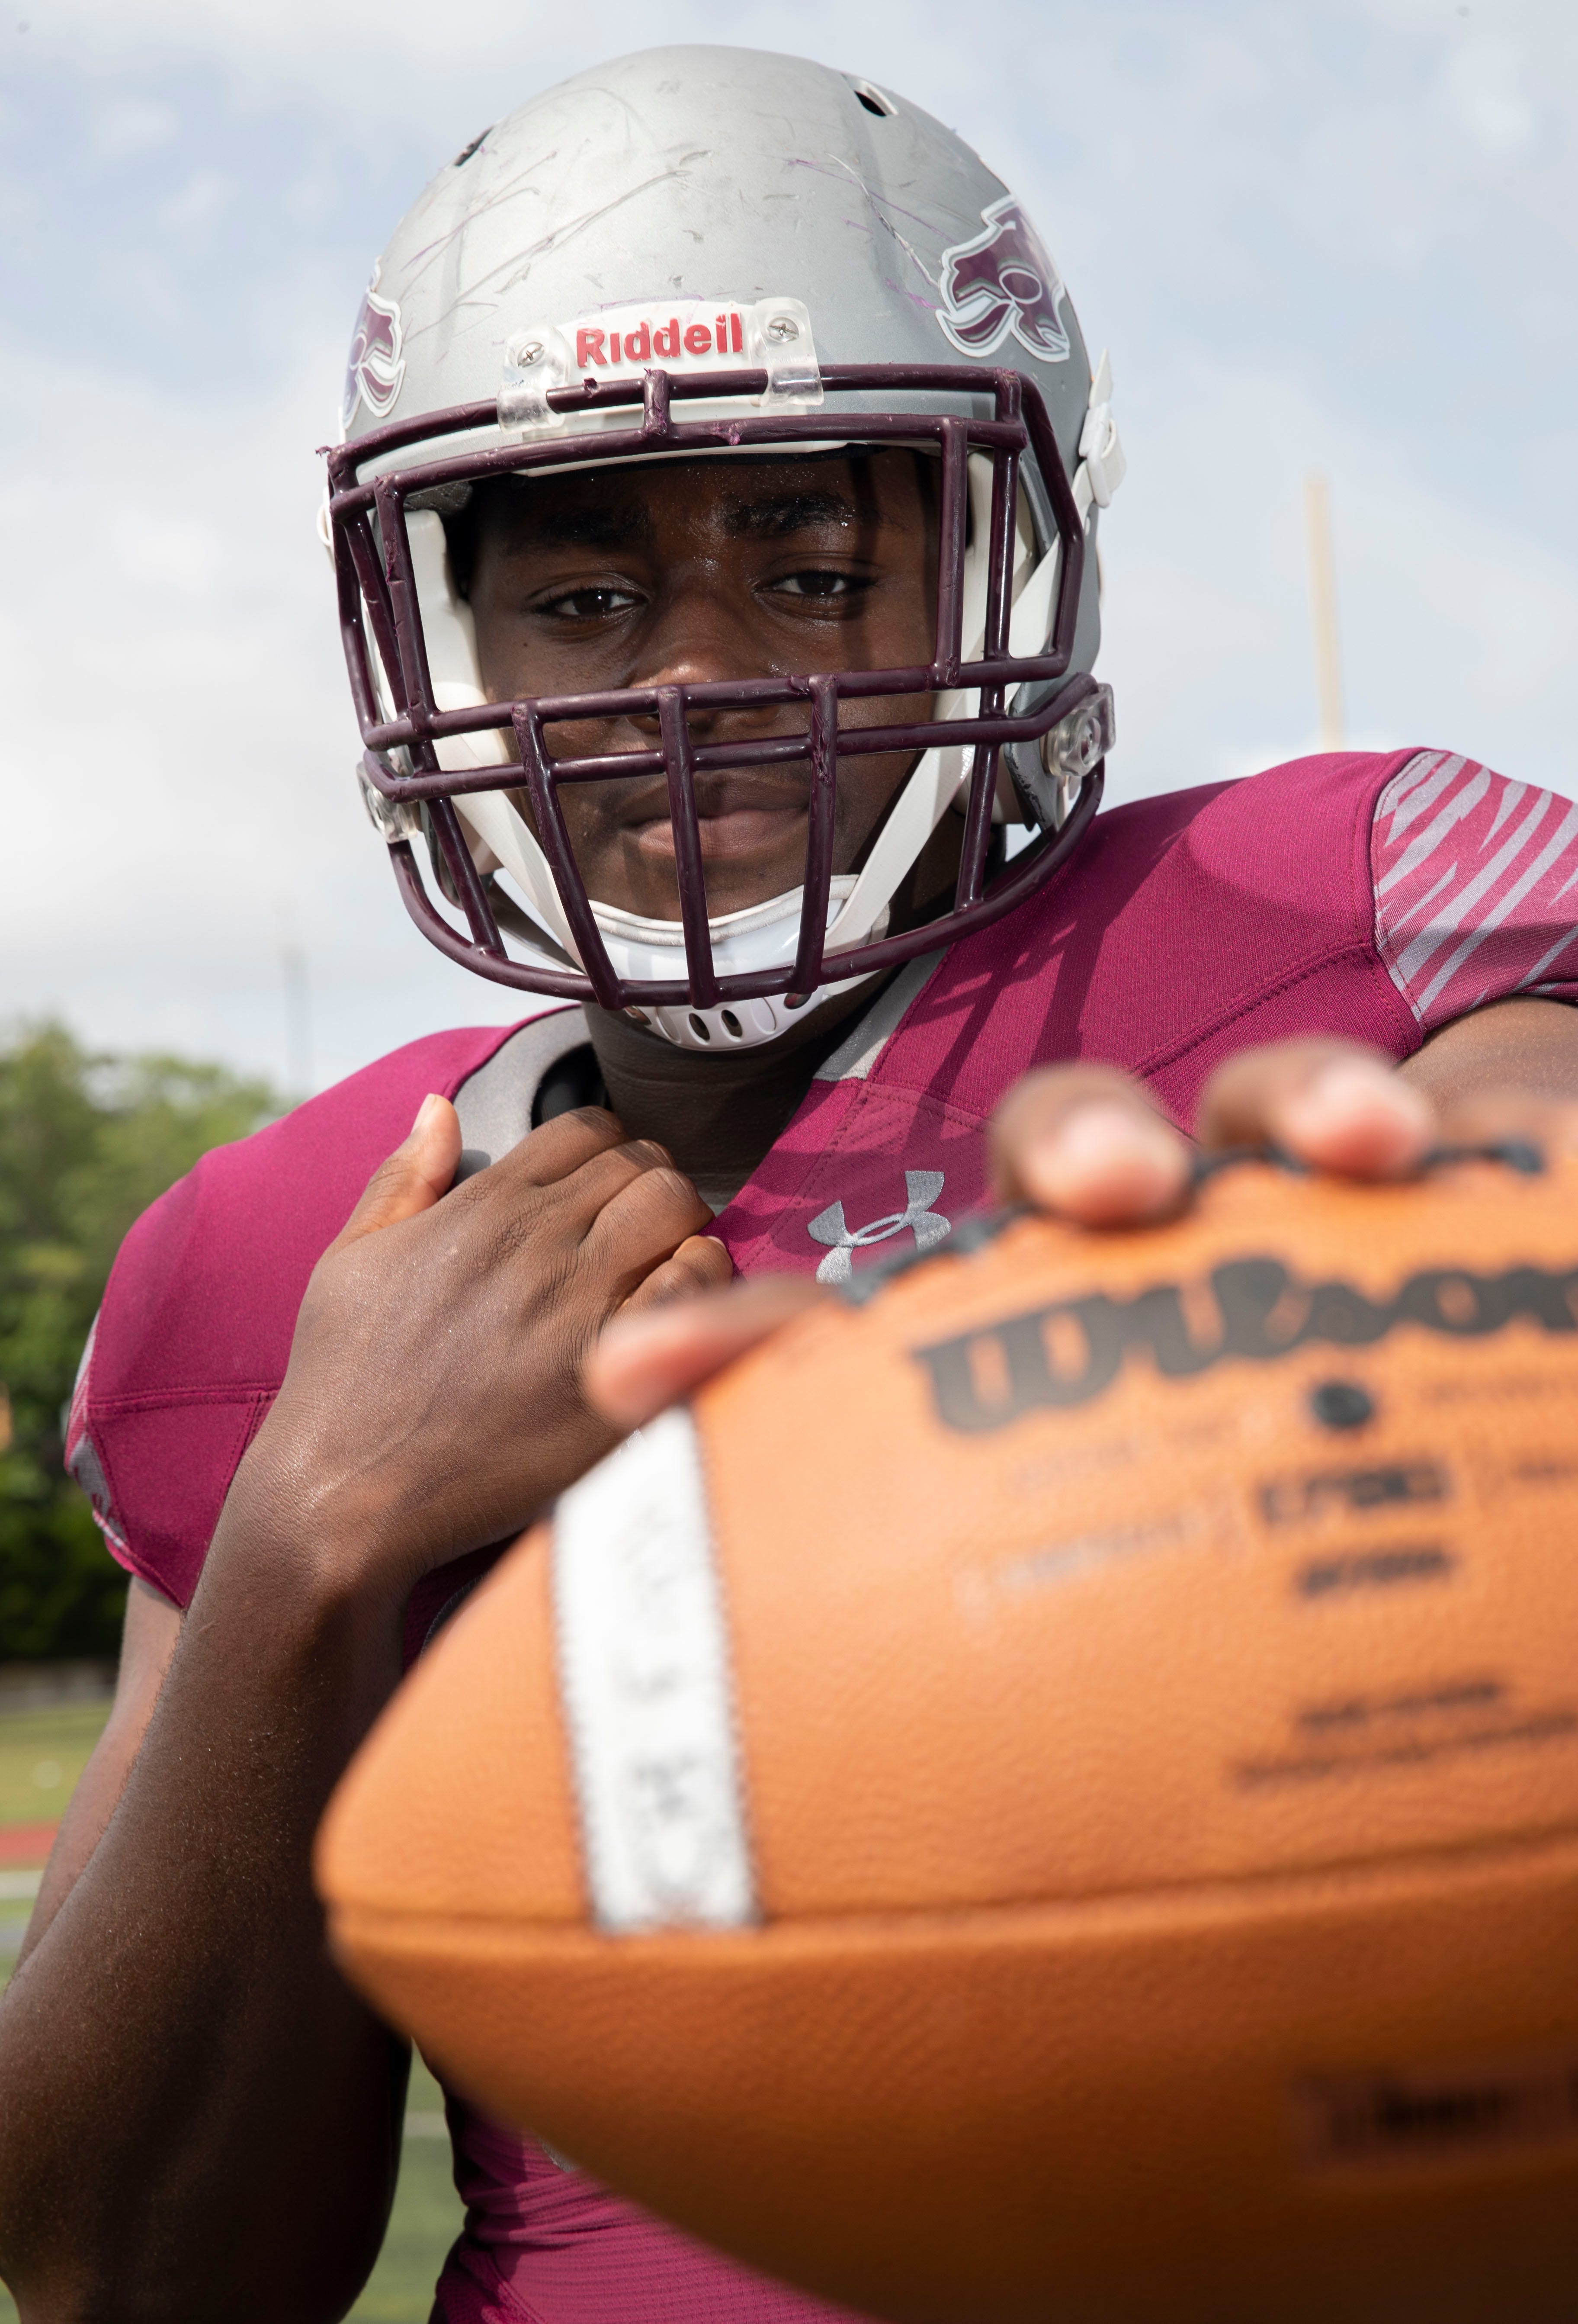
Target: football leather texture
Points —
{"points": [[1051, 1794]]}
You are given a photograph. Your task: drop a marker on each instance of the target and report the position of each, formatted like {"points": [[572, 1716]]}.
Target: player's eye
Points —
{"points": [[821, 583], [592, 605]]}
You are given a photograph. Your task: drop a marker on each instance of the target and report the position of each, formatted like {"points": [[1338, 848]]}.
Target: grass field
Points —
{"points": [[42, 1754]]}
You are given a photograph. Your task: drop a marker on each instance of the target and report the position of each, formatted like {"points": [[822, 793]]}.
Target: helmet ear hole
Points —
{"points": [[700, 1027], [731, 1025]]}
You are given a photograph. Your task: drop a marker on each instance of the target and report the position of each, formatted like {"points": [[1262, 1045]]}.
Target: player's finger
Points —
{"points": [[609, 1178], [701, 1264], [1086, 1142], [414, 1176], [559, 1147], [641, 1222], [644, 1362], [1335, 1105]]}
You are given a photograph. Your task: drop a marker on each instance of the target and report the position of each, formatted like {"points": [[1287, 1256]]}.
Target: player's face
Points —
{"points": [[709, 569]]}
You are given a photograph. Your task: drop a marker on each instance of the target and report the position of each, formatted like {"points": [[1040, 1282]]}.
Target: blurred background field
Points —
{"points": [[43, 1747], [88, 1140], [41, 1754]]}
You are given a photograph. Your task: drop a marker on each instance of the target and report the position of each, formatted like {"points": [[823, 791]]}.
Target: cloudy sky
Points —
{"points": [[1333, 234]]}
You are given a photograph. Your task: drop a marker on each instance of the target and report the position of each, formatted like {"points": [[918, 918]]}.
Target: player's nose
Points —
{"points": [[707, 637]]}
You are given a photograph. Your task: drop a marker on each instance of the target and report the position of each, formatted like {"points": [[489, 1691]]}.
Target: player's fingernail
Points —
{"points": [[1356, 1112], [1105, 1163], [425, 1112]]}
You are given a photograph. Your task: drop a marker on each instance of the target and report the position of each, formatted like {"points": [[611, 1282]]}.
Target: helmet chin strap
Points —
{"points": [[765, 935]]}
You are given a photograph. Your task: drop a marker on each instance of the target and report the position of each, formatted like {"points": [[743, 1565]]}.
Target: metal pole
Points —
{"points": [[297, 1021], [1323, 605]]}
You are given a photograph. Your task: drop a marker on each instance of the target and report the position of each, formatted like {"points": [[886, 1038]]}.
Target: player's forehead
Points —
{"points": [[765, 497]]}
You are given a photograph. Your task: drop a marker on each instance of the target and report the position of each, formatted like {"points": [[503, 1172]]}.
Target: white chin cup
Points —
{"points": [[764, 935]]}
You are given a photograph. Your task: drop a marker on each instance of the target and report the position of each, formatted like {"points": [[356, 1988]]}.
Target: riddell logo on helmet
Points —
{"points": [[688, 339], [693, 334], [1000, 282]]}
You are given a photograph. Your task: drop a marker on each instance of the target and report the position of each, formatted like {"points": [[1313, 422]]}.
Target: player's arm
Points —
{"points": [[1523, 1046], [196, 2118], [148, 1639], [171, 2048], [1088, 1143]]}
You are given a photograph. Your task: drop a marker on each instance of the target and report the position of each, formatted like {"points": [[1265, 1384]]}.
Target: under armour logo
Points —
{"points": [[921, 1187]]}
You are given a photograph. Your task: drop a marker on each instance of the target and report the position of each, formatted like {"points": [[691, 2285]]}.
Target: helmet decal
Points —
{"points": [[375, 365], [1002, 280]]}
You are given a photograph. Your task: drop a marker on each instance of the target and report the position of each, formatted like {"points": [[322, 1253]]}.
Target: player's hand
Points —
{"points": [[433, 1400], [1087, 1143]]}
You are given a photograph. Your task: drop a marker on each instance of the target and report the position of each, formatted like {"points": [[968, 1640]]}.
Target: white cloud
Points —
{"points": [[180, 744], [1456, 628], [126, 126], [1485, 85], [197, 205]]}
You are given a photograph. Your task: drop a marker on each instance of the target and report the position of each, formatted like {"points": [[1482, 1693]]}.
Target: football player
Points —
{"points": [[714, 531]]}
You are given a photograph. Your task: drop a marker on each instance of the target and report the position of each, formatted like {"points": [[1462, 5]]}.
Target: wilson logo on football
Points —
{"points": [[1002, 280], [683, 336], [1265, 1312]]}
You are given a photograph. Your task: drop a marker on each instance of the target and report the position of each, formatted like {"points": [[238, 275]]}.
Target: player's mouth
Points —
{"points": [[740, 814]]}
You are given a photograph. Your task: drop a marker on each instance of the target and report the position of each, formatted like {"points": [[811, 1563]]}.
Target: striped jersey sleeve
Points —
{"points": [[1476, 888]]}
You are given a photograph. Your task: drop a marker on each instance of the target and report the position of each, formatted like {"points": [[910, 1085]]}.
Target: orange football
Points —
{"points": [[1052, 1793]]}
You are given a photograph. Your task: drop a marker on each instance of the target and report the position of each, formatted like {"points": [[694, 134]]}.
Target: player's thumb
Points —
{"points": [[413, 1178]]}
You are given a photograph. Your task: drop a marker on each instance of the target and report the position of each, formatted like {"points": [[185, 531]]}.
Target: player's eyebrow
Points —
{"points": [[584, 524], [790, 512]]}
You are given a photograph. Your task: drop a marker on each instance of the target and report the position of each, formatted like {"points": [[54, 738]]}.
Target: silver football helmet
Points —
{"points": [[696, 252]]}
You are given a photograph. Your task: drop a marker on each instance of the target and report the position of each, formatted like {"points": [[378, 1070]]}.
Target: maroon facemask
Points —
{"points": [[1053, 728]]}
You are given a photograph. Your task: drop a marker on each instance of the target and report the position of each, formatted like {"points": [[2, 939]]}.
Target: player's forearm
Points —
{"points": [[182, 2071], [1524, 1045]]}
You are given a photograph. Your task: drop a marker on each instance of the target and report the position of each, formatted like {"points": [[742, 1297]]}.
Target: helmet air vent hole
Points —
{"points": [[700, 1027], [874, 101], [732, 1026], [466, 151]]}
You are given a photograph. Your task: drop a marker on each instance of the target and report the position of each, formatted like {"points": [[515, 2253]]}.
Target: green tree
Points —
{"points": [[87, 1142]]}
